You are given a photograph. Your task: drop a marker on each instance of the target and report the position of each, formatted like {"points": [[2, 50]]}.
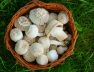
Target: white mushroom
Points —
{"points": [[63, 17], [61, 50], [41, 28], [16, 34], [45, 42], [29, 40], [39, 16], [53, 47], [52, 16], [59, 33], [36, 49], [21, 47], [68, 39], [28, 56], [55, 42], [32, 32], [52, 55], [22, 23], [42, 60], [51, 25]]}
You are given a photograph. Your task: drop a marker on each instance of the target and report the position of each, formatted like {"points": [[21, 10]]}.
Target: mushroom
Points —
{"points": [[61, 50], [41, 28], [59, 33], [36, 49], [22, 23], [21, 47], [39, 16], [29, 40], [55, 42], [42, 60], [68, 39], [46, 42], [51, 25], [28, 56], [52, 16], [16, 34], [52, 38], [53, 47], [52, 55], [32, 32], [63, 17]]}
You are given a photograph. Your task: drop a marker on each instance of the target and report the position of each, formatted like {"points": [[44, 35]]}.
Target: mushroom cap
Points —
{"points": [[51, 25], [28, 56], [32, 32], [61, 50], [16, 34], [59, 33], [42, 60], [52, 55], [63, 17], [36, 49], [29, 40], [22, 23], [45, 42], [21, 47], [52, 16], [39, 16]]}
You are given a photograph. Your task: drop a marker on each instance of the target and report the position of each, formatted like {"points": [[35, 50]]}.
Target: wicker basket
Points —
{"points": [[54, 7]]}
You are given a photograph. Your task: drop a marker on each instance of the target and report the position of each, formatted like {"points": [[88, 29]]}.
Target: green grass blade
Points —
{"points": [[4, 3]]}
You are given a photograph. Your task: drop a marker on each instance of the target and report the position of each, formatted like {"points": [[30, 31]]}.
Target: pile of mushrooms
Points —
{"points": [[41, 36]]}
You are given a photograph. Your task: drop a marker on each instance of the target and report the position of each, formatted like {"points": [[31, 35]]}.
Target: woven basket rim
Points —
{"points": [[49, 6]]}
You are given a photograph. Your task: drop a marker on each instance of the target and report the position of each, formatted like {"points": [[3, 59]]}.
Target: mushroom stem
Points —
{"points": [[62, 36], [51, 26], [41, 28], [54, 42], [59, 33], [40, 34], [29, 40]]}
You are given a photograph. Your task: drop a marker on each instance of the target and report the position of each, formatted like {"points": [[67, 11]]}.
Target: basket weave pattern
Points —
{"points": [[54, 7]]}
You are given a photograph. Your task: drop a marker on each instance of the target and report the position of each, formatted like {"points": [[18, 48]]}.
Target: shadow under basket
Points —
{"points": [[53, 7]]}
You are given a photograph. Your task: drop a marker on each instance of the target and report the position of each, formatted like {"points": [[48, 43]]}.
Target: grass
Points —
{"points": [[82, 59]]}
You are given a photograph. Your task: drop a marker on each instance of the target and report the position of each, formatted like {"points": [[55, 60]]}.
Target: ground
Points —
{"points": [[82, 59]]}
